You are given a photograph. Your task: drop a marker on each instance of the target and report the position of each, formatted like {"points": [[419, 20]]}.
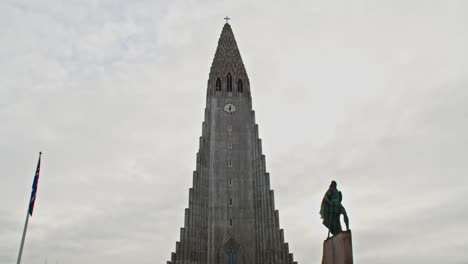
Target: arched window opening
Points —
{"points": [[240, 87], [218, 85], [229, 83], [231, 256]]}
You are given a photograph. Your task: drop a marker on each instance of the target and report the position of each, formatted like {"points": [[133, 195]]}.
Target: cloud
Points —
{"points": [[113, 92]]}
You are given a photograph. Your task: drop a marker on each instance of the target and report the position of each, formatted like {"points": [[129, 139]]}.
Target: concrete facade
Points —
{"points": [[231, 216]]}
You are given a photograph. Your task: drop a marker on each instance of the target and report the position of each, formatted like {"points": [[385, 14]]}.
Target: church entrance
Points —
{"points": [[231, 256], [231, 253]]}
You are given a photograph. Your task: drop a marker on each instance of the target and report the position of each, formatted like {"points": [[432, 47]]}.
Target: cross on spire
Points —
{"points": [[227, 19]]}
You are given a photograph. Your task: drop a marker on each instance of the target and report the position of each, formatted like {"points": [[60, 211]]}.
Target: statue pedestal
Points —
{"points": [[338, 249]]}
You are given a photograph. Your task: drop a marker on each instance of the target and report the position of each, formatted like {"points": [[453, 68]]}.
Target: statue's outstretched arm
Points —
{"points": [[345, 217]]}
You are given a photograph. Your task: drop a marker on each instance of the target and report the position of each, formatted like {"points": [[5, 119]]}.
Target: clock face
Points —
{"points": [[229, 108]]}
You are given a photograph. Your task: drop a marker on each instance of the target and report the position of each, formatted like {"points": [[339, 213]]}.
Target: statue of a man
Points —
{"points": [[331, 209]]}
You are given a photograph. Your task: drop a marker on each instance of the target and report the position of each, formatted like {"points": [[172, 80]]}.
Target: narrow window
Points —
{"points": [[218, 85], [229, 128], [240, 87], [229, 145], [230, 182], [229, 83], [230, 201], [230, 163], [230, 222]]}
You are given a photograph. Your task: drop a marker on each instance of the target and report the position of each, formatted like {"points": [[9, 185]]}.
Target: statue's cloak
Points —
{"points": [[330, 206]]}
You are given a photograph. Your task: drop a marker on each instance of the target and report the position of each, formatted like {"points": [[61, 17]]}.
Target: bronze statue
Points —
{"points": [[331, 209]]}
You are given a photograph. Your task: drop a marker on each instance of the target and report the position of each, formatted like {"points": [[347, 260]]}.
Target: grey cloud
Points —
{"points": [[371, 94]]}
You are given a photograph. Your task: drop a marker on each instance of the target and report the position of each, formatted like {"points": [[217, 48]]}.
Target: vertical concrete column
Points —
{"points": [[177, 253], [263, 205]]}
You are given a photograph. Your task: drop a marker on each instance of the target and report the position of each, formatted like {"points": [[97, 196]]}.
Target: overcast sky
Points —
{"points": [[370, 93]]}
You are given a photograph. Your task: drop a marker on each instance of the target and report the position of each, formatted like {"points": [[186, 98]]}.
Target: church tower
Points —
{"points": [[231, 218]]}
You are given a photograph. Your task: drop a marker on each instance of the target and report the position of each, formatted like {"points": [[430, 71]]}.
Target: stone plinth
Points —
{"points": [[338, 249]]}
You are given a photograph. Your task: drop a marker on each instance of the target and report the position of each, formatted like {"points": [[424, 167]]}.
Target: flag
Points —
{"points": [[34, 186]]}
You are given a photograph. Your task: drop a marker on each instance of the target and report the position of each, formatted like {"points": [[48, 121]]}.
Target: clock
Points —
{"points": [[229, 108]]}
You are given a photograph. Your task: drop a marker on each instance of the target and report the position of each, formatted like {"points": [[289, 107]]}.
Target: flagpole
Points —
{"points": [[24, 236], [30, 207]]}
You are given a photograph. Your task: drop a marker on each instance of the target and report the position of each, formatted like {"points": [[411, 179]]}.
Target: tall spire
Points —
{"points": [[227, 60], [231, 215]]}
